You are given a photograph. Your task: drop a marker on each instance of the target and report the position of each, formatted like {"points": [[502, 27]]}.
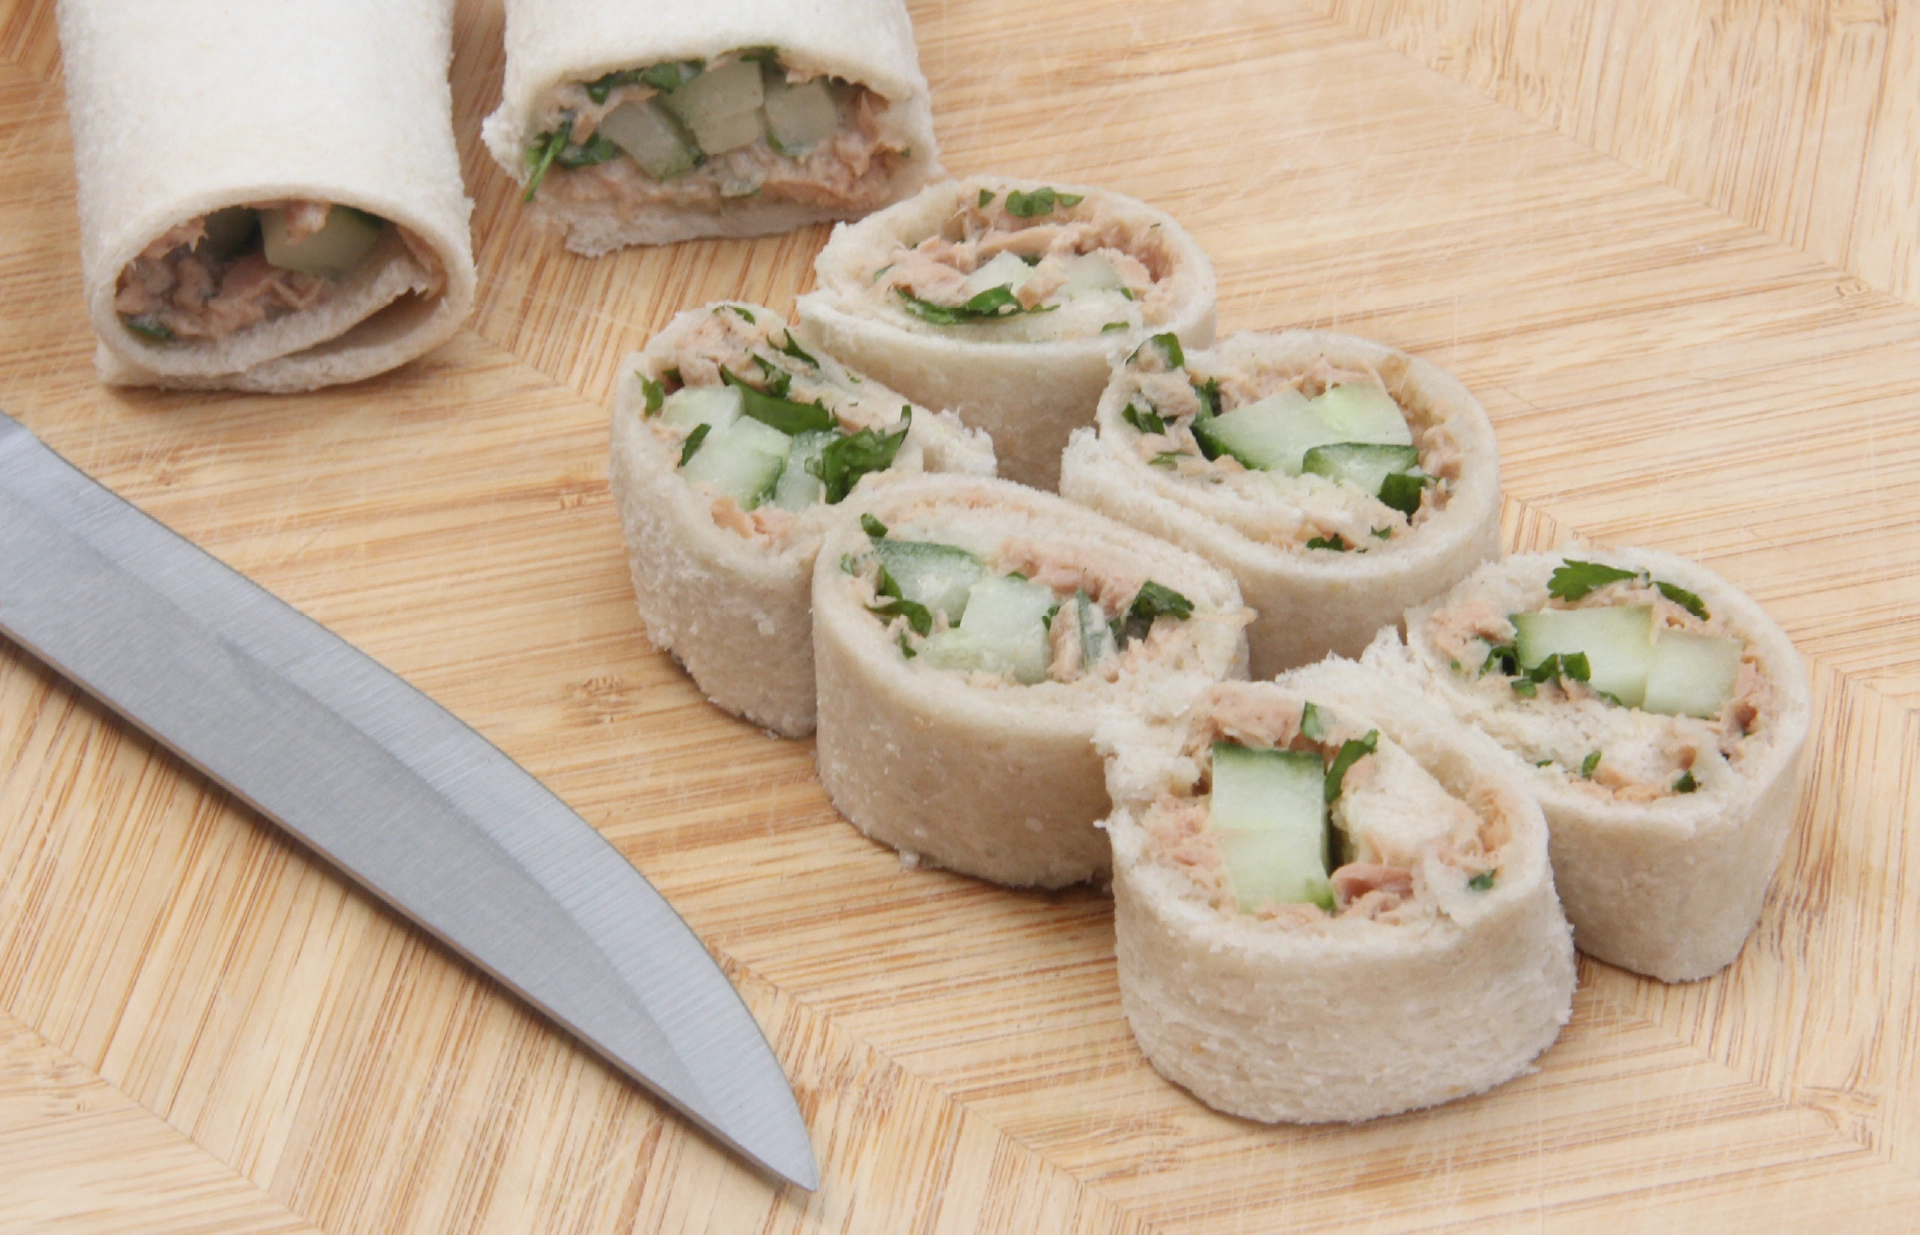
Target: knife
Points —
{"points": [[389, 787]]}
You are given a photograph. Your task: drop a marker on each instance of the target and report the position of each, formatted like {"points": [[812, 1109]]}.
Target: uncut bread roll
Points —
{"points": [[1434, 963], [1667, 826], [721, 540], [654, 123], [933, 296], [270, 198], [969, 744], [1325, 559]]}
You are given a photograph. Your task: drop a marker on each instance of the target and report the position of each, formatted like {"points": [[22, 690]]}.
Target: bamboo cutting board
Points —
{"points": [[1670, 245]]}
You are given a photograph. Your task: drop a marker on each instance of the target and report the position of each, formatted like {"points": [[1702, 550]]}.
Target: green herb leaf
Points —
{"points": [[1483, 881], [600, 87], [1401, 491], [545, 149], [1526, 687], [598, 149], [1312, 726], [672, 75], [768, 55], [794, 350], [1351, 752], [737, 311], [778, 380], [849, 564], [990, 305], [1588, 765], [694, 439], [1686, 783], [783, 414], [149, 327], [1575, 579], [1209, 392], [655, 393], [1685, 599], [1144, 419], [1383, 533], [1168, 345], [1167, 459], [845, 460], [986, 195], [1113, 327], [1152, 601], [1332, 542], [1504, 658], [906, 649], [873, 527], [1571, 665], [1041, 201], [916, 614]]}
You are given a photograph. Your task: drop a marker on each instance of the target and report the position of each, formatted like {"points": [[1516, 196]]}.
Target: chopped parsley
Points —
{"points": [[1571, 666], [1401, 491], [1144, 419], [694, 439], [540, 156], [779, 413], [1113, 327], [1386, 533], [1483, 881], [986, 195], [1332, 542], [1351, 752], [655, 393], [846, 459], [598, 149], [1209, 392], [670, 76], [1167, 459], [738, 312], [1573, 579], [1504, 657], [873, 527], [794, 350], [1589, 764], [1682, 597], [1152, 601], [898, 606], [1168, 345], [148, 326], [1686, 783], [990, 305], [1041, 201]]}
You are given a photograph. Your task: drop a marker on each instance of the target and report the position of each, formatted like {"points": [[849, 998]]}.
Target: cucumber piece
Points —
{"points": [[649, 133], [1364, 412], [1363, 465], [1003, 270], [798, 117], [721, 106], [800, 488], [688, 406], [343, 240], [744, 461], [1096, 637], [1090, 272], [934, 575], [229, 231], [1692, 674], [1617, 641], [1272, 435], [1004, 631], [1269, 817]]}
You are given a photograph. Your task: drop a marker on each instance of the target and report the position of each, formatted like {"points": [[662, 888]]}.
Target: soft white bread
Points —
{"points": [[550, 42], [1662, 883], [995, 780], [182, 107], [1311, 602], [1029, 394], [1302, 1017], [736, 611]]}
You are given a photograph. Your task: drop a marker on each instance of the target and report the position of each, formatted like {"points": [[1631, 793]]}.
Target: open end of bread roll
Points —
{"points": [[1658, 714], [1340, 480], [732, 447], [968, 636], [1331, 903]]}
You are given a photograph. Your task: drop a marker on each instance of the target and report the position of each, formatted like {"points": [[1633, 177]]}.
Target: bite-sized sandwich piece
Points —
{"points": [[1657, 713], [1332, 901], [1002, 299], [968, 636], [732, 447], [270, 199], [1338, 479], [649, 124]]}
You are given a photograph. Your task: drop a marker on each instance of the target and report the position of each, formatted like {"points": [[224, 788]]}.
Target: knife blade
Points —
{"points": [[389, 787]]}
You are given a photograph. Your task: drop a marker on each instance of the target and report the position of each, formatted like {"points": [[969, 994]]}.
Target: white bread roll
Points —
{"points": [[1028, 379], [556, 45], [184, 107], [976, 773], [1663, 883], [1257, 524], [1293, 1015], [735, 608]]}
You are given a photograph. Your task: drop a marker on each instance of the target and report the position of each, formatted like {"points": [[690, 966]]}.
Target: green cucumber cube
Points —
{"points": [[1363, 465], [934, 575], [1617, 641], [1692, 674], [800, 488], [1004, 631], [743, 460], [1090, 272], [1364, 412], [343, 240], [653, 137], [1268, 813], [689, 406], [799, 117], [721, 106], [1271, 435]]}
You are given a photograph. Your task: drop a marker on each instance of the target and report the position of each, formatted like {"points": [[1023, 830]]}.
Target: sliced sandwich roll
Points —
{"points": [[1340, 480], [1659, 716], [270, 198], [968, 636], [653, 123], [732, 447], [1331, 901], [1002, 299]]}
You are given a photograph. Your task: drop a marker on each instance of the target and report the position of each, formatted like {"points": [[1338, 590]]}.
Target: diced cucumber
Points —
{"points": [[688, 406], [934, 575], [229, 230], [1003, 270], [1090, 272], [1692, 674], [1361, 464], [343, 240], [1004, 631], [743, 460], [1364, 412], [1096, 637], [649, 133], [1271, 435], [721, 106], [799, 117], [800, 488], [1617, 641], [1269, 818]]}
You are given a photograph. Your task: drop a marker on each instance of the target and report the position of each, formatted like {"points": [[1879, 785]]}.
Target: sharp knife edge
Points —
{"points": [[386, 784]]}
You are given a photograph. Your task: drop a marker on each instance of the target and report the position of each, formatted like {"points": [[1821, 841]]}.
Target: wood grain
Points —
{"points": [[1677, 352]]}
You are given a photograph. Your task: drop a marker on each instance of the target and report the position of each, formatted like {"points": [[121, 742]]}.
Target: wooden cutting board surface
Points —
{"points": [[1672, 248]]}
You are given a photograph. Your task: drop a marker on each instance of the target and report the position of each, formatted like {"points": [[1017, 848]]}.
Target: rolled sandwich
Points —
{"points": [[1002, 299], [652, 123], [1331, 902], [270, 197], [968, 635], [731, 446], [1659, 716], [1338, 479]]}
